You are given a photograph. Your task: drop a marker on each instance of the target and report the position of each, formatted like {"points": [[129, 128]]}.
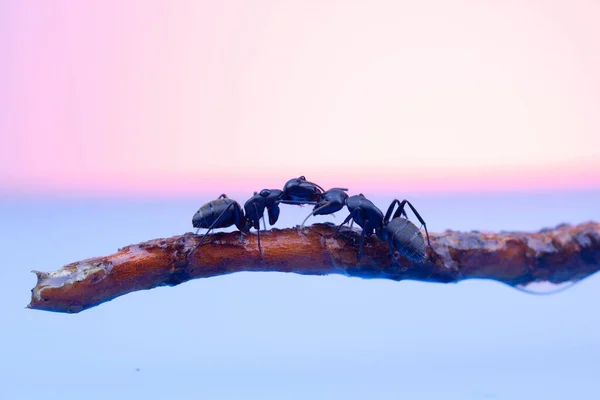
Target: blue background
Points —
{"points": [[286, 336]]}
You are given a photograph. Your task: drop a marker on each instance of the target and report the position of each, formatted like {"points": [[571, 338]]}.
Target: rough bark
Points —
{"points": [[564, 254]]}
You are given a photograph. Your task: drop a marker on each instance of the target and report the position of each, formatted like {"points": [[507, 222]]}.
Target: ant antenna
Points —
{"points": [[313, 213], [303, 178]]}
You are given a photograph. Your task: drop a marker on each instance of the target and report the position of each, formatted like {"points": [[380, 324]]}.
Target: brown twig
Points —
{"points": [[566, 253]]}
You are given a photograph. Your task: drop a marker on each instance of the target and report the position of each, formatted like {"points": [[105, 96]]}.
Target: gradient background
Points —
{"points": [[119, 119]]}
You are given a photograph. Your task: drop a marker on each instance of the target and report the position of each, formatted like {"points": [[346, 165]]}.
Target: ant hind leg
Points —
{"points": [[210, 228], [421, 220], [399, 212]]}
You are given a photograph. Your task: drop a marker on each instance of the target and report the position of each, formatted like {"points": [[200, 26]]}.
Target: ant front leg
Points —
{"points": [[352, 216]]}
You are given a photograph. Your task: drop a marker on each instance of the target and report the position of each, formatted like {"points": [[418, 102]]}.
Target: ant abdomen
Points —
{"points": [[406, 238]]}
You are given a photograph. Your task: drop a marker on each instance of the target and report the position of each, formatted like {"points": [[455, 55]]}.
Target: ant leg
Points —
{"points": [[352, 216], [348, 218], [210, 228], [362, 234], [312, 183], [313, 213], [400, 209], [362, 239], [258, 228], [388, 213], [259, 248], [414, 210]]}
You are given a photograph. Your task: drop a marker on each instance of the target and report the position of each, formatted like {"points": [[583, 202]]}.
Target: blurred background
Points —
{"points": [[118, 120]]}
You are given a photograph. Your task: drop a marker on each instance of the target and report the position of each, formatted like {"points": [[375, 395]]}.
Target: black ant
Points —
{"points": [[255, 208], [365, 214], [224, 212], [296, 191], [220, 213], [330, 202], [399, 232]]}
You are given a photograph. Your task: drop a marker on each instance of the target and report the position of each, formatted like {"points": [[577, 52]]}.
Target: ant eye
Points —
{"points": [[265, 193], [302, 178]]}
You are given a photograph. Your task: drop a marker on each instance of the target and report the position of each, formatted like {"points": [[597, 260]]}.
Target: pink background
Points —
{"points": [[131, 97], [138, 100]]}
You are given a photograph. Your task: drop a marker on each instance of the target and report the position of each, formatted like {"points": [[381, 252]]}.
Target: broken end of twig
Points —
{"points": [[48, 293], [40, 275]]}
